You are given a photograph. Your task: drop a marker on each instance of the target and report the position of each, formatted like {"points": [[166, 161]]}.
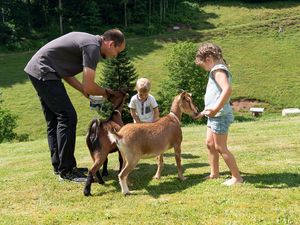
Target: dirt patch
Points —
{"points": [[245, 104]]}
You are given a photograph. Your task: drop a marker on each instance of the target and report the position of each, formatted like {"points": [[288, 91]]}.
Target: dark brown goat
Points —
{"points": [[98, 142]]}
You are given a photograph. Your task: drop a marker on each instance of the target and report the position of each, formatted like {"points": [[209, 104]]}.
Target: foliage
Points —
{"points": [[184, 75], [119, 73], [94, 16], [7, 33], [187, 13], [7, 124]]}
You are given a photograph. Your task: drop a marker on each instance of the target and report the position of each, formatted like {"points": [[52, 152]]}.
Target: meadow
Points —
{"points": [[267, 153], [265, 65]]}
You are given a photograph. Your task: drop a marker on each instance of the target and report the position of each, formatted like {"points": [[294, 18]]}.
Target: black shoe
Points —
{"points": [[73, 176], [81, 170], [55, 171]]}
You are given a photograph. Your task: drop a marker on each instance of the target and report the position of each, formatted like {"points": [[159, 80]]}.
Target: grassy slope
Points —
{"points": [[265, 65], [267, 154]]}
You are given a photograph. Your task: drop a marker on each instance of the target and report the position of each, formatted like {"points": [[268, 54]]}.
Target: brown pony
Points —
{"points": [[139, 140], [98, 142]]}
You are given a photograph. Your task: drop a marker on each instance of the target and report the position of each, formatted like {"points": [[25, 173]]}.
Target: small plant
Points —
{"points": [[7, 124]]}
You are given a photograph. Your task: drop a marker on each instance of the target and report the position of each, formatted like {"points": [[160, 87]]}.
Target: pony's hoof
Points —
{"points": [[87, 192], [156, 177], [127, 193], [182, 178], [104, 173], [101, 182]]}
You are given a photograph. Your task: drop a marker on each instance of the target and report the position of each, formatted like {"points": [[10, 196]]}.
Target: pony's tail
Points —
{"points": [[92, 138]]}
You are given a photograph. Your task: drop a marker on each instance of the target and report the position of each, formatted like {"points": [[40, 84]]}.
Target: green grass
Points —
{"points": [[265, 66], [263, 62], [267, 153]]}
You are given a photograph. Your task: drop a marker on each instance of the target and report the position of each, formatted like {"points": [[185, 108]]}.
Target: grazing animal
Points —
{"points": [[98, 142], [139, 140]]}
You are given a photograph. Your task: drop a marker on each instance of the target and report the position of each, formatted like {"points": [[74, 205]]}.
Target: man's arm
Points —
{"points": [[72, 81], [88, 83]]}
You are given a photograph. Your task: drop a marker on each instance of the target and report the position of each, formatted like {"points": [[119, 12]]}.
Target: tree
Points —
{"points": [[119, 73], [184, 75]]}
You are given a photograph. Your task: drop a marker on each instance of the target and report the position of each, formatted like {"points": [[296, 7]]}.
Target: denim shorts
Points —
{"points": [[220, 124]]}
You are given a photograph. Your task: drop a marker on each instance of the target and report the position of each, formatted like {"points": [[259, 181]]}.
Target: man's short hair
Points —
{"points": [[114, 35]]}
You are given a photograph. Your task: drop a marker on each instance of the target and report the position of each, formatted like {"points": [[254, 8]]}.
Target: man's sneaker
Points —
{"points": [[81, 170], [73, 176]]}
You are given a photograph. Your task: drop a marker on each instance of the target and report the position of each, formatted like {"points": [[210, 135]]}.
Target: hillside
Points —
{"points": [[264, 62]]}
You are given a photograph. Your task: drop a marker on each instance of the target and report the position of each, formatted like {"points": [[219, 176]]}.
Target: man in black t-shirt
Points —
{"points": [[63, 58]]}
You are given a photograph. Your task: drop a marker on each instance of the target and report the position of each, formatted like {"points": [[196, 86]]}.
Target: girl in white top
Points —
{"points": [[143, 106]]}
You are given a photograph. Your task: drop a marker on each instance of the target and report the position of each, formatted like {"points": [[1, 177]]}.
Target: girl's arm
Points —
{"points": [[222, 80]]}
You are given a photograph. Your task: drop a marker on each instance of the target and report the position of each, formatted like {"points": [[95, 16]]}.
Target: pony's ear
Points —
{"points": [[179, 90], [182, 95], [124, 89]]}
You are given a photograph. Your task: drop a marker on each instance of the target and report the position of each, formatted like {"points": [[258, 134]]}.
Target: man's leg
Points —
{"points": [[52, 135], [53, 94]]}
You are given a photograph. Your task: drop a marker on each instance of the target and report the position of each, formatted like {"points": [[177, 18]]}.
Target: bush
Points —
{"points": [[7, 33], [184, 75], [7, 125]]}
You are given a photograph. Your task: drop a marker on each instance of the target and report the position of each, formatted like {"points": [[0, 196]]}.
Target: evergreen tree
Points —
{"points": [[119, 73], [184, 75]]}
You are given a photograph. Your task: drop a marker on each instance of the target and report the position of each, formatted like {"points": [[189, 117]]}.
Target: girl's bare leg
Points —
{"points": [[220, 141], [213, 155]]}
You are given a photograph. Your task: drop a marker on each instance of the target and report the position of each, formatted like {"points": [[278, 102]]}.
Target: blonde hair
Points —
{"points": [[209, 50], [143, 84]]}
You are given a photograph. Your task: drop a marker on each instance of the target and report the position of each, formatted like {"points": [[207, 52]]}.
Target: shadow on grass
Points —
{"points": [[240, 118], [11, 69], [254, 4], [273, 180], [183, 155], [143, 174]]}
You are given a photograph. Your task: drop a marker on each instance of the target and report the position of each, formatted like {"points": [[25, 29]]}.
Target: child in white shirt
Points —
{"points": [[143, 106]]}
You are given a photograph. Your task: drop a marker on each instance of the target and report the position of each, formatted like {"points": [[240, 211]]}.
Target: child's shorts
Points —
{"points": [[220, 124]]}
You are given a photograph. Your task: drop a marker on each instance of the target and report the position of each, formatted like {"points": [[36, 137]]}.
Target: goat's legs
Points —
{"points": [[121, 162], [100, 157], [178, 162], [104, 168], [129, 166], [160, 166]]}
